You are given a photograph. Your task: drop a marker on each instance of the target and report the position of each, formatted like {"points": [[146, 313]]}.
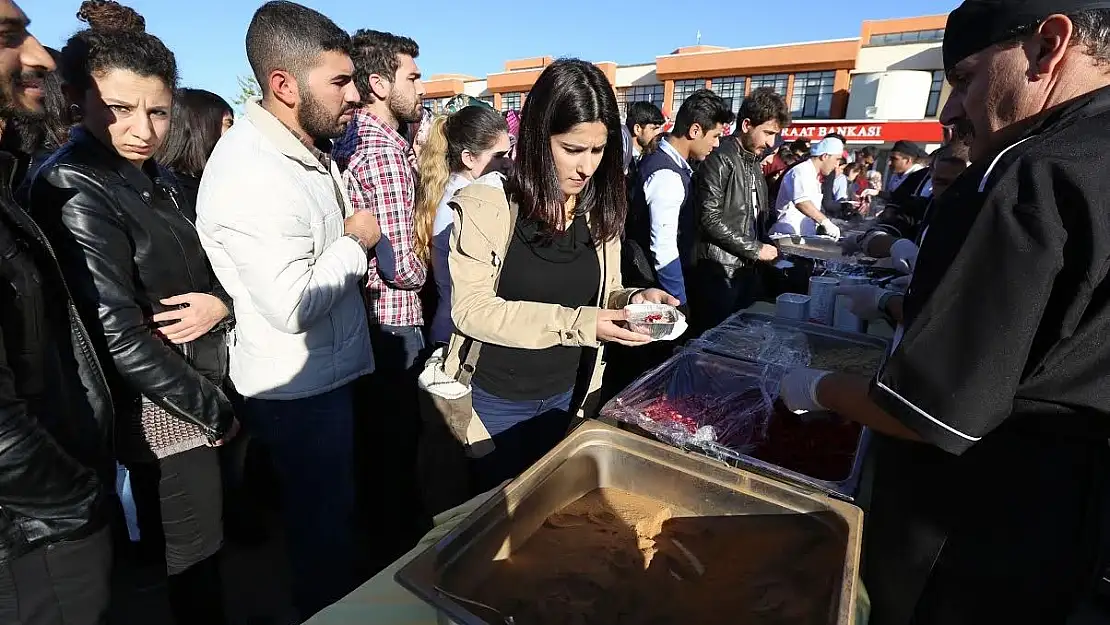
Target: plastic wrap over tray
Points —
{"points": [[757, 341], [702, 400]]}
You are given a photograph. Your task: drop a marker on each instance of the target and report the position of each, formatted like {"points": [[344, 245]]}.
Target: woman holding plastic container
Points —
{"points": [[535, 271]]}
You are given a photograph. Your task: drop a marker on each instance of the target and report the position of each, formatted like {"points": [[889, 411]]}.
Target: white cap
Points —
{"points": [[828, 145]]}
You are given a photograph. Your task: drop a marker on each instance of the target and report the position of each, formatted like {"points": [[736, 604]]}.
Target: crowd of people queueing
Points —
{"points": [[178, 281]]}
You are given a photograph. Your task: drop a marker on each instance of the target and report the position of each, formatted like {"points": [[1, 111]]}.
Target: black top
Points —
{"points": [[1002, 370], [906, 210], [189, 186], [563, 271]]}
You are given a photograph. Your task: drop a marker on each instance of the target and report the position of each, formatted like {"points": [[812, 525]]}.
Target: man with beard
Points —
{"points": [[380, 179], [730, 197], [291, 251], [991, 477], [55, 408], [643, 123]]}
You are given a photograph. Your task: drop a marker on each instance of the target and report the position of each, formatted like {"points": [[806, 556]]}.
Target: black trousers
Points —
{"points": [[179, 501], [65, 583], [714, 295]]}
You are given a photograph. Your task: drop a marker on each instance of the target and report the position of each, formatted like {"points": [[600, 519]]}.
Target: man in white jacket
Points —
{"points": [[288, 248]]}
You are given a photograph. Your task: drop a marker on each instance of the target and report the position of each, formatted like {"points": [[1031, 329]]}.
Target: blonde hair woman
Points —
{"points": [[460, 148]]}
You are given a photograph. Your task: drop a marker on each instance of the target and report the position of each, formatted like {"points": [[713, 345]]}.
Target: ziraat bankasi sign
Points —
{"points": [[924, 131]]}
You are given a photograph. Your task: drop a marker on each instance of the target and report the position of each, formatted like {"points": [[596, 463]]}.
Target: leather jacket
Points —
{"points": [[56, 412], [125, 242], [728, 224]]}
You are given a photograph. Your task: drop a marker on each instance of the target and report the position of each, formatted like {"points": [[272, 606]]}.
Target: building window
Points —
{"points": [[488, 99], [511, 101], [731, 90], [777, 82], [639, 93], [913, 36], [682, 90], [934, 94], [435, 105], [813, 93]]}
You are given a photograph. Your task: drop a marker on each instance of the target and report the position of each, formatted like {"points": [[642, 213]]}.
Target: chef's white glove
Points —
{"points": [[831, 229], [903, 254], [865, 300], [799, 389]]}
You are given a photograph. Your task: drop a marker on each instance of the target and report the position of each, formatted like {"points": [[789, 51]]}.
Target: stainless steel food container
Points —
{"points": [[595, 456]]}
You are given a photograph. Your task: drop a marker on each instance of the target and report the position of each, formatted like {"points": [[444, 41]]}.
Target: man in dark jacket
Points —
{"points": [[55, 409], [992, 471], [730, 197]]}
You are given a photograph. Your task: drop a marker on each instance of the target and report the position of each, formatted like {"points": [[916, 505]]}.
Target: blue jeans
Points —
{"points": [[311, 444], [522, 431], [397, 348]]}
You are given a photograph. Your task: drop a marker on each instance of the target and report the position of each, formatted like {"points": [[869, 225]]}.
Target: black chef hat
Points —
{"points": [[979, 24], [909, 148]]}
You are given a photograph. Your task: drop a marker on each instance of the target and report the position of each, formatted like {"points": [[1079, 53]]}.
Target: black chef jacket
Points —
{"points": [[1004, 369], [906, 209]]}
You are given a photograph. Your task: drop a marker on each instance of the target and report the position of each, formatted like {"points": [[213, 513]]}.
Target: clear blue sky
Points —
{"points": [[477, 37]]}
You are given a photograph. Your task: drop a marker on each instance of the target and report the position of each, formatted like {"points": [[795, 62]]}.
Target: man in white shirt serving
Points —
{"points": [[799, 200]]}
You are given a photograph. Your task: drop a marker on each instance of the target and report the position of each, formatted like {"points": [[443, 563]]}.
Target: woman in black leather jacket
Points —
{"points": [[140, 279]]}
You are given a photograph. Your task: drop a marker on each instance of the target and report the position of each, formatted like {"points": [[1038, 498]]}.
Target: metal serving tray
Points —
{"points": [[595, 456], [814, 248], [819, 336]]}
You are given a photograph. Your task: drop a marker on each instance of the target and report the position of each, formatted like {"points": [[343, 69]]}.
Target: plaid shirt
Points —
{"points": [[381, 177]]}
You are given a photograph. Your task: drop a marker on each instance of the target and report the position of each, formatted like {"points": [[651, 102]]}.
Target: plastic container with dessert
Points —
{"points": [[614, 527]]}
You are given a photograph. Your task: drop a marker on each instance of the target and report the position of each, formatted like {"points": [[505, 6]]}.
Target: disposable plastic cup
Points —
{"points": [[822, 302], [792, 306]]}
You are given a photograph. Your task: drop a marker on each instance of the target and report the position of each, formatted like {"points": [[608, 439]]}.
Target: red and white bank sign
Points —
{"points": [[924, 131]]}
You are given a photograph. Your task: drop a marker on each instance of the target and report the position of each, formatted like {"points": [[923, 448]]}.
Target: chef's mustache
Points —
{"points": [[961, 129]]}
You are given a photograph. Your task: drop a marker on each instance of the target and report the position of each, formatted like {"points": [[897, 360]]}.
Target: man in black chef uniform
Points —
{"points": [[991, 479]]}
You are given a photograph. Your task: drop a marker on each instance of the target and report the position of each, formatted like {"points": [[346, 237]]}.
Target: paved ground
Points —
{"points": [[256, 580]]}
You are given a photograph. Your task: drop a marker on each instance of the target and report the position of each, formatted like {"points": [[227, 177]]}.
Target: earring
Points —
{"points": [[75, 111]]}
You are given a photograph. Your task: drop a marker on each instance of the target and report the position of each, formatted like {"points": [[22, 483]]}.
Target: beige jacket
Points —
{"points": [[479, 242]]}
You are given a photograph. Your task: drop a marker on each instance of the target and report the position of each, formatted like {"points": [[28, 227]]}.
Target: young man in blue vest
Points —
{"points": [[660, 222]]}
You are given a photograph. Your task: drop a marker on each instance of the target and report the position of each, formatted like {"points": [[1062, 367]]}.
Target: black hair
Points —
{"points": [[800, 145], [289, 37], [375, 52], [869, 151], [115, 39], [1091, 29], [41, 133], [855, 166], [704, 108], [955, 151], [196, 124], [763, 105], [837, 135], [643, 114], [570, 92]]}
